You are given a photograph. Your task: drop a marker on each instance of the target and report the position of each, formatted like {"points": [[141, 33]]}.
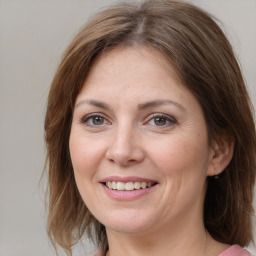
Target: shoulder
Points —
{"points": [[235, 250]]}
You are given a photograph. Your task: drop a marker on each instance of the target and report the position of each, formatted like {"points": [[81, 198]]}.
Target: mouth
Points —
{"points": [[128, 186]]}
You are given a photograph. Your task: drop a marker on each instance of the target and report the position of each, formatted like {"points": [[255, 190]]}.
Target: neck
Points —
{"points": [[171, 240]]}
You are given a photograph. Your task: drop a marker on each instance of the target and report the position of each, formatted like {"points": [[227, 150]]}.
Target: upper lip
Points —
{"points": [[127, 179]]}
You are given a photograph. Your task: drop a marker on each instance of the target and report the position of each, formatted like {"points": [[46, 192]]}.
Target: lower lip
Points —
{"points": [[122, 195]]}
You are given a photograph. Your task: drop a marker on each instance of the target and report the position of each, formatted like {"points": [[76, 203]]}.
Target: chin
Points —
{"points": [[128, 223]]}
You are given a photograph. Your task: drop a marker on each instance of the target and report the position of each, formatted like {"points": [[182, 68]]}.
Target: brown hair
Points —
{"points": [[192, 42]]}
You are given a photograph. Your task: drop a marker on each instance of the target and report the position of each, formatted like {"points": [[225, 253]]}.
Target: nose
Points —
{"points": [[125, 148]]}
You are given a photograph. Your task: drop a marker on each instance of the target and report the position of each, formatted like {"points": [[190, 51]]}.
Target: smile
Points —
{"points": [[128, 186]]}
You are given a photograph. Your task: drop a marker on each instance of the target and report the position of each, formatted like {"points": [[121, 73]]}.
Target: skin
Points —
{"points": [[165, 142]]}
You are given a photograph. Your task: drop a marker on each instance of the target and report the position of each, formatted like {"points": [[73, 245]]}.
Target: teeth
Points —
{"points": [[136, 185], [143, 185], [113, 185], [109, 184], [129, 186], [149, 185], [117, 185]]}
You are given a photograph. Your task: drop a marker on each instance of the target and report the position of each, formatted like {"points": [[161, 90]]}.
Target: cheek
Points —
{"points": [[85, 154], [181, 156]]}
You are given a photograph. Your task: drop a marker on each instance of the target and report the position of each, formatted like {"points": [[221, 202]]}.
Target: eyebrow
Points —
{"points": [[142, 106], [96, 103], [156, 103]]}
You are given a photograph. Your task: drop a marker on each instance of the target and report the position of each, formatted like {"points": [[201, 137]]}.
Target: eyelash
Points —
{"points": [[86, 119], [166, 118]]}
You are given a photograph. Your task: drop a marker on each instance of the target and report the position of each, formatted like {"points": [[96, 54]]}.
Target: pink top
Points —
{"points": [[235, 250]]}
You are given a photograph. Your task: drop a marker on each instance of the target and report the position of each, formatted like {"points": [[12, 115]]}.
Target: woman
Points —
{"points": [[150, 136]]}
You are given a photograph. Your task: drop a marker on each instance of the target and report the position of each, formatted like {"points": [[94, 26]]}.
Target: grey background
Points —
{"points": [[33, 35]]}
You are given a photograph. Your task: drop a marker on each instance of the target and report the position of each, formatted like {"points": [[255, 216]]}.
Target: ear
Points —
{"points": [[222, 150]]}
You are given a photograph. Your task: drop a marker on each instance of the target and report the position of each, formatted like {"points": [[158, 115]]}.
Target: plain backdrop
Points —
{"points": [[33, 35]]}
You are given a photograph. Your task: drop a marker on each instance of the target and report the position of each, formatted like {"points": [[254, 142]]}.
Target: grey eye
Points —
{"points": [[160, 121], [97, 120]]}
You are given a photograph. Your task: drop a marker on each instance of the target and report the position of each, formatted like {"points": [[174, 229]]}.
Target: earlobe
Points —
{"points": [[222, 153]]}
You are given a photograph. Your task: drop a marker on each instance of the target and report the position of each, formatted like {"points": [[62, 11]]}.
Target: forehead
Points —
{"points": [[124, 65], [139, 55], [133, 76]]}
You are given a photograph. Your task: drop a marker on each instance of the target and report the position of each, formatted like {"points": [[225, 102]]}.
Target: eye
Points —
{"points": [[161, 120], [97, 120], [94, 120]]}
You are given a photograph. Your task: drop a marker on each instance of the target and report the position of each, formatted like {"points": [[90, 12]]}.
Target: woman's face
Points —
{"points": [[139, 144]]}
